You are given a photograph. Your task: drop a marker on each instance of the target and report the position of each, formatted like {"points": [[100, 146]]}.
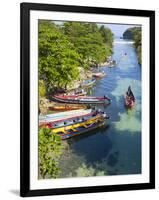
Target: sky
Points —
{"points": [[117, 29]]}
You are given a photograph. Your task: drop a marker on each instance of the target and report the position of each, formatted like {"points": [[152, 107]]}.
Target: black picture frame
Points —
{"points": [[25, 9]]}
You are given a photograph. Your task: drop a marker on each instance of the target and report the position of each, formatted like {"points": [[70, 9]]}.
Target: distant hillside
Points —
{"points": [[131, 32], [135, 34]]}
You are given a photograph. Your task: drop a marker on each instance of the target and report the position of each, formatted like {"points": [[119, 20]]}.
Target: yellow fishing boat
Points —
{"points": [[73, 127]]}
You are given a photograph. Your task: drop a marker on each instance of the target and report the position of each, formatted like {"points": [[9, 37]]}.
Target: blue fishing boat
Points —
{"points": [[88, 82], [81, 130], [75, 120], [63, 115]]}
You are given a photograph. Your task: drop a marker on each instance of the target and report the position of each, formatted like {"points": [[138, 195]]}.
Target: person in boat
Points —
{"points": [[107, 98], [130, 94]]}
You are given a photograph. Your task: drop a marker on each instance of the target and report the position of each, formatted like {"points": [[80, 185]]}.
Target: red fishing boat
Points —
{"points": [[129, 98], [81, 99]]}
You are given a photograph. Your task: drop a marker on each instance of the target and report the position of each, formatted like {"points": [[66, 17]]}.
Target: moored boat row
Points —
{"points": [[74, 115]]}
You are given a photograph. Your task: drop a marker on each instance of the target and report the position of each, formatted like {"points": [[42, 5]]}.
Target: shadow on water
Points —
{"points": [[93, 145], [88, 134]]}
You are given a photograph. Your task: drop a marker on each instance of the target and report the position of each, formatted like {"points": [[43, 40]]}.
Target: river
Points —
{"points": [[116, 149]]}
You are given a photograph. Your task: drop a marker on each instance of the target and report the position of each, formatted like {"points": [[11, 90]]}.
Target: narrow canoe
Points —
{"points": [[88, 82], [129, 103], [99, 74], [77, 92], [81, 130], [73, 121], [64, 115], [81, 100], [129, 98], [74, 126], [66, 107]]}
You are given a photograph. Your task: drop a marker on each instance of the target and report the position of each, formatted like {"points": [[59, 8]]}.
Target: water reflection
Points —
{"points": [[122, 86], [128, 122]]}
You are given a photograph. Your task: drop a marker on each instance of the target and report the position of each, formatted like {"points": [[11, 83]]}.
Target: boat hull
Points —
{"points": [[86, 130], [99, 75], [75, 122], [129, 103], [81, 101], [88, 84], [64, 115], [66, 107]]}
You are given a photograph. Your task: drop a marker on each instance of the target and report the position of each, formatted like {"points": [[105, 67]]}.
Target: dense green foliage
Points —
{"points": [[107, 36], [63, 49], [50, 147], [58, 60], [42, 89], [91, 42], [135, 34]]}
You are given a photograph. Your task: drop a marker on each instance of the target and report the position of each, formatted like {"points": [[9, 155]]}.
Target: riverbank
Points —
{"points": [[85, 74]]}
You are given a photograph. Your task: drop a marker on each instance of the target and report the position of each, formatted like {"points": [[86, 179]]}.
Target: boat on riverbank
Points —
{"points": [[80, 128], [129, 98], [63, 115], [75, 120], [99, 74], [77, 92], [88, 82], [82, 100], [112, 63], [50, 122], [65, 107]]}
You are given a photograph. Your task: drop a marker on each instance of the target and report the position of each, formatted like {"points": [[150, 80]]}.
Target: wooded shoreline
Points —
{"points": [[67, 51]]}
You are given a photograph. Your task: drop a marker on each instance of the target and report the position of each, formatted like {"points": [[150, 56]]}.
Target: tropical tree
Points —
{"points": [[107, 35], [88, 42], [58, 61]]}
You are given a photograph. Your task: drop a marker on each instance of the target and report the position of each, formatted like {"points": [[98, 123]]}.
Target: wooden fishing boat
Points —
{"points": [[81, 129], [88, 82], [89, 121], [50, 122], [99, 74], [129, 98], [82, 100], [77, 92], [65, 107], [112, 63], [75, 120], [63, 115]]}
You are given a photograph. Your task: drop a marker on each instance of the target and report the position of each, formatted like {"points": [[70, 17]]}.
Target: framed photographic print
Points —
{"points": [[87, 99]]}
